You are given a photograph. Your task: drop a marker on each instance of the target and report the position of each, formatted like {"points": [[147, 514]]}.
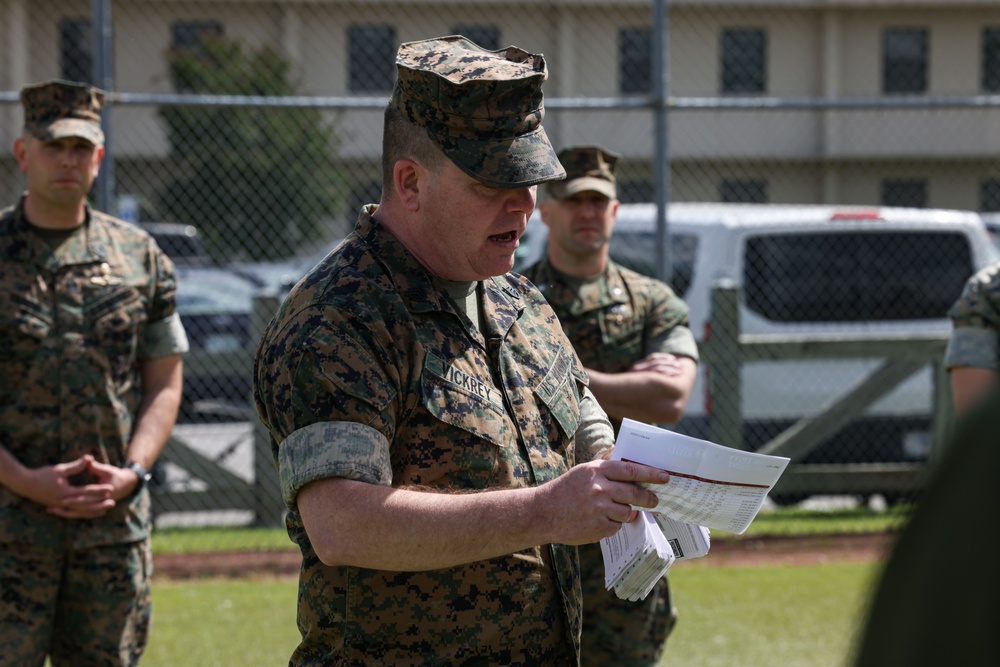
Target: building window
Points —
{"points": [[190, 36], [636, 191], [372, 58], [189, 40], [75, 55], [486, 36], [991, 60], [743, 54], [635, 60], [989, 195], [904, 60], [743, 191], [909, 192]]}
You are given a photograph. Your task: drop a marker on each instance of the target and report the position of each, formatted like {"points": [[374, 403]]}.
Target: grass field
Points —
{"points": [[798, 616], [760, 616], [222, 623], [791, 616]]}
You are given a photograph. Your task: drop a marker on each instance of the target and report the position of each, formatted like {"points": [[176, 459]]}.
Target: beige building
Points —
{"points": [[781, 56]]}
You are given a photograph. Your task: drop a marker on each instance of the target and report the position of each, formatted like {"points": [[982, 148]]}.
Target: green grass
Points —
{"points": [[793, 521], [184, 540], [805, 616], [222, 623]]}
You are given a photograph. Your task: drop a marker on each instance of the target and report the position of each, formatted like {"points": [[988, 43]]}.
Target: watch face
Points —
{"points": [[144, 475]]}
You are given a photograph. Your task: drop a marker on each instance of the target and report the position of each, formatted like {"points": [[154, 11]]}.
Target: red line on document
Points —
{"points": [[704, 479]]}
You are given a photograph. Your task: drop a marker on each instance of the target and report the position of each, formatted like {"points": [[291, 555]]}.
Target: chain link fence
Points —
{"points": [[246, 136]]}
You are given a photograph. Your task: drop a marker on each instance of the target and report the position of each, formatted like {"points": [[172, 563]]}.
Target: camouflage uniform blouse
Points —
{"points": [[74, 327], [618, 319], [975, 339], [370, 372]]}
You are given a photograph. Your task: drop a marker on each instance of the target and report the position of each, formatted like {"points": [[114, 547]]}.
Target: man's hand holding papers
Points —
{"points": [[710, 486]]}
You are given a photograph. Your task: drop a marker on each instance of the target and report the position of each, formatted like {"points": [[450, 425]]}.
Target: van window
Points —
{"points": [[177, 246], [857, 276], [636, 251]]}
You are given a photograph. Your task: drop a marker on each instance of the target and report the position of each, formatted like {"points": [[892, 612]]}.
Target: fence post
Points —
{"points": [[725, 366], [269, 508], [944, 412]]}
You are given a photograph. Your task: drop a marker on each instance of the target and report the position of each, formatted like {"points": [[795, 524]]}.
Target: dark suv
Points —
{"points": [[180, 241]]}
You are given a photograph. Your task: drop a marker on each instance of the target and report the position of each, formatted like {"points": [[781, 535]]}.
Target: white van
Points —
{"points": [[803, 270]]}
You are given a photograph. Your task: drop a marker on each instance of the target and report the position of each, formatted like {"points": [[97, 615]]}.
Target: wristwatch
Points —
{"points": [[140, 472]]}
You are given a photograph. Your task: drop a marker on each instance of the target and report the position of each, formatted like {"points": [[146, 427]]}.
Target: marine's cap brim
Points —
{"points": [[513, 162], [70, 127], [568, 188]]}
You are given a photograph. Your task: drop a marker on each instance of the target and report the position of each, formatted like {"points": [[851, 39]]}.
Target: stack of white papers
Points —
{"points": [[642, 551], [686, 540], [636, 557], [710, 486]]}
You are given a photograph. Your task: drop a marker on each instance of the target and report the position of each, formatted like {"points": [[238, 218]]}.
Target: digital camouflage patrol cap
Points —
{"points": [[58, 109], [482, 108], [588, 169]]}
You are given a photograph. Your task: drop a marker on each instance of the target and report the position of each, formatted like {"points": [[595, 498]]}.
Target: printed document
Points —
{"points": [[710, 486]]}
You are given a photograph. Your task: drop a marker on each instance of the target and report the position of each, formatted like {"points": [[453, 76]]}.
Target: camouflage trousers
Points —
{"points": [[621, 632], [80, 607]]}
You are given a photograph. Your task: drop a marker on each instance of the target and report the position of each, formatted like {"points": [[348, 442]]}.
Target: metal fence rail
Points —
{"points": [[903, 356]]}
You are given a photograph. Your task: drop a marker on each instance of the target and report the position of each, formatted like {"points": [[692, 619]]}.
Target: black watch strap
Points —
{"points": [[140, 472]]}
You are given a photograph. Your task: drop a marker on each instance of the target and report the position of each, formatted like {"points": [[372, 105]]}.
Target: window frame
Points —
{"points": [[190, 35], [898, 69], [744, 191], [989, 79], [475, 31], [77, 66], [371, 69], [989, 195], [738, 74], [635, 60], [894, 192]]}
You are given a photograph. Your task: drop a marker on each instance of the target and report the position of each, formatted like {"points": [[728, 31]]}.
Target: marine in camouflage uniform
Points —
{"points": [[82, 311], [973, 353], [921, 575], [385, 378], [976, 320], [613, 319]]}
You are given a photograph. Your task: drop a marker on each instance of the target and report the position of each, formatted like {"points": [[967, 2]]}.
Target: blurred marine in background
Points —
{"points": [[90, 384], [935, 602], [631, 333], [973, 354]]}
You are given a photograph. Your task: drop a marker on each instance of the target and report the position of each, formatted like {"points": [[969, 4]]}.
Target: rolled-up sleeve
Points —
{"points": [[679, 341], [165, 338], [975, 318], [595, 434], [332, 449], [972, 346]]}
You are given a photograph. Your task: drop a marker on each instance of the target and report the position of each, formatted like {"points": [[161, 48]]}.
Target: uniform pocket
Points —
{"points": [[115, 311], [558, 391], [116, 318], [462, 398], [23, 318]]}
